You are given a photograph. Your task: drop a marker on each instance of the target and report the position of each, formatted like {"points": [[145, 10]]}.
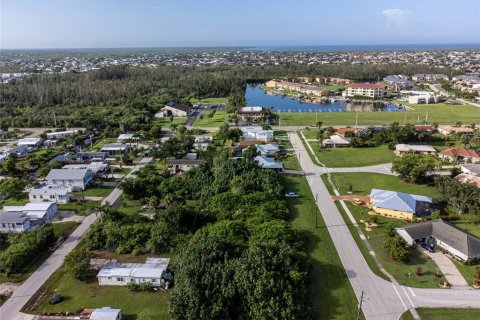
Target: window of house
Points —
{"points": [[120, 279]]}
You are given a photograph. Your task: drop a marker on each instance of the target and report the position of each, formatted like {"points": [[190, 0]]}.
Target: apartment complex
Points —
{"points": [[371, 90]]}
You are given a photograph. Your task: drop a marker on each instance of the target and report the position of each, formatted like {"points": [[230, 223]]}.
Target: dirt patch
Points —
{"points": [[7, 288]]}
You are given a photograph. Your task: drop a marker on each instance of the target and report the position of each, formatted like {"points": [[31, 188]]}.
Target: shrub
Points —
{"points": [[56, 298]]}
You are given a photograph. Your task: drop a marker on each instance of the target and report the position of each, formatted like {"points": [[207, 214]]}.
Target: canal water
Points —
{"points": [[255, 96]]}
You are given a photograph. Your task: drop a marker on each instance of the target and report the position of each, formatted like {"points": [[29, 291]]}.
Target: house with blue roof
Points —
{"points": [[400, 205]]}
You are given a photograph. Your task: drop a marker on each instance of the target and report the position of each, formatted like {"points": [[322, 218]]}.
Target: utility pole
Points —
{"points": [[426, 117], [356, 118], [316, 210], [360, 305], [405, 121], [55, 119]]}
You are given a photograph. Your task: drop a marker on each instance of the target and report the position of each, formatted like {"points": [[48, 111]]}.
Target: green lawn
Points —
{"points": [[291, 163], [131, 207], [441, 113], [329, 292], [363, 183], [218, 119], [81, 208], [123, 170], [444, 314], [79, 294], [352, 157], [310, 133], [165, 122], [210, 100], [470, 223], [20, 200], [94, 192]]}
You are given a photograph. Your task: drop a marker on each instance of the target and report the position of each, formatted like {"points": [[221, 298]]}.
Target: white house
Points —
{"points": [[153, 271], [59, 195], [269, 163], [115, 149], [61, 134], [335, 141], [258, 134], [106, 314], [203, 146], [455, 241], [95, 167], [268, 150], [127, 137], [173, 109], [30, 142], [14, 222], [72, 179], [40, 210], [201, 139], [181, 165]]}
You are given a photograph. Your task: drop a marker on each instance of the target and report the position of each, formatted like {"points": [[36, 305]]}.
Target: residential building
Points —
{"points": [[456, 242], [203, 146], [201, 139], [114, 149], [448, 130], [401, 149], [419, 97], [91, 156], [472, 169], [14, 222], [468, 178], [173, 109], [182, 165], [153, 271], [424, 127], [461, 155], [400, 205], [30, 142], [72, 179], [336, 141], [298, 87], [258, 134], [20, 151], [106, 314], [127, 137], [269, 163], [61, 134], [398, 81], [267, 150], [429, 77], [40, 210], [371, 90], [347, 130], [59, 195], [252, 113], [95, 167]]}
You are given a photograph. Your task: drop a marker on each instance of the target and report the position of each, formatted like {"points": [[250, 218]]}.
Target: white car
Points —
{"points": [[291, 195]]}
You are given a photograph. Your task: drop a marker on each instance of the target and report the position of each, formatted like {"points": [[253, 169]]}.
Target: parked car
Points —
{"points": [[357, 201], [428, 247], [291, 195]]}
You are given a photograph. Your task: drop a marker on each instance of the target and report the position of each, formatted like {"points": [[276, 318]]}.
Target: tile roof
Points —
{"points": [[460, 152], [366, 86]]}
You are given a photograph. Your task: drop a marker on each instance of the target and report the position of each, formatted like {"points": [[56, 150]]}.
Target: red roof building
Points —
{"points": [[342, 131], [460, 154]]}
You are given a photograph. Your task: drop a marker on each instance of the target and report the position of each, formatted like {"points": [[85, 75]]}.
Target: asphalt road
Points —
{"points": [[26, 290], [383, 299]]}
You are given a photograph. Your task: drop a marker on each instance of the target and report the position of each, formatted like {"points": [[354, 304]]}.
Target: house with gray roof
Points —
{"points": [[268, 150], [106, 313], [400, 205], [72, 179], [14, 222], [115, 149], [457, 242], [269, 163]]}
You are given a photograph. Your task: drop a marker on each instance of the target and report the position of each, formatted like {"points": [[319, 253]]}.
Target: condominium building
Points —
{"points": [[371, 90]]}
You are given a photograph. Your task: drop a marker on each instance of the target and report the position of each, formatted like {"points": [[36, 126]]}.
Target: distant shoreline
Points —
{"points": [[312, 48]]}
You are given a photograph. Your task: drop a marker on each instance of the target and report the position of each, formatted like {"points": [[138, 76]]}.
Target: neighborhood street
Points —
{"points": [[383, 299], [26, 290]]}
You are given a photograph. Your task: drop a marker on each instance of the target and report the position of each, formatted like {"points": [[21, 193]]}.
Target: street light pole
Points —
{"points": [[360, 305]]}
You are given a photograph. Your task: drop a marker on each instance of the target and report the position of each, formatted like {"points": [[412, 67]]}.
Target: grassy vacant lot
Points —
{"points": [[165, 122], [81, 208], [94, 192], [441, 113], [363, 183], [352, 157], [210, 100], [330, 293], [79, 294], [217, 120], [444, 314]]}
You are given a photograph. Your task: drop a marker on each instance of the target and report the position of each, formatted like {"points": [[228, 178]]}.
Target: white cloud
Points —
{"points": [[395, 17]]}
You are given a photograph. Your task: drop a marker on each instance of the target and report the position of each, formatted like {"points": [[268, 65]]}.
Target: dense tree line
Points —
{"points": [[23, 248], [121, 94], [464, 197]]}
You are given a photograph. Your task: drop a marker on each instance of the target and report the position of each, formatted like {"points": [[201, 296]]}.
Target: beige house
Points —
{"points": [[400, 205], [173, 109], [401, 149]]}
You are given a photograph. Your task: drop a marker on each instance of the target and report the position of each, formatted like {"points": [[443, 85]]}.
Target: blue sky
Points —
{"points": [[179, 23]]}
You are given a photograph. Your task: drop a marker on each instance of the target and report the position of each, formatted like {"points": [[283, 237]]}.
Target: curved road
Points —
{"points": [[383, 299]]}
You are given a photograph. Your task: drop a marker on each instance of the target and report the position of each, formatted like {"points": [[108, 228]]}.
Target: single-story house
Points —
{"points": [[473, 169], [336, 141], [115, 149], [258, 134], [343, 131], [460, 244], [401, 149], [447, 130], [91, 156], [72, 179], [127, 137], [106, 314], [59, 195], [61, 134], [30, 142], [181, 165], [153, 271], [268, 150], [200, 146], [173, 109], [40, 210], [429, 77], [95, 167], [468, 178], [201, 139], [20, 151], [460, 155], [14, 222], [400, 205], [269, 163], [423, 127]]}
